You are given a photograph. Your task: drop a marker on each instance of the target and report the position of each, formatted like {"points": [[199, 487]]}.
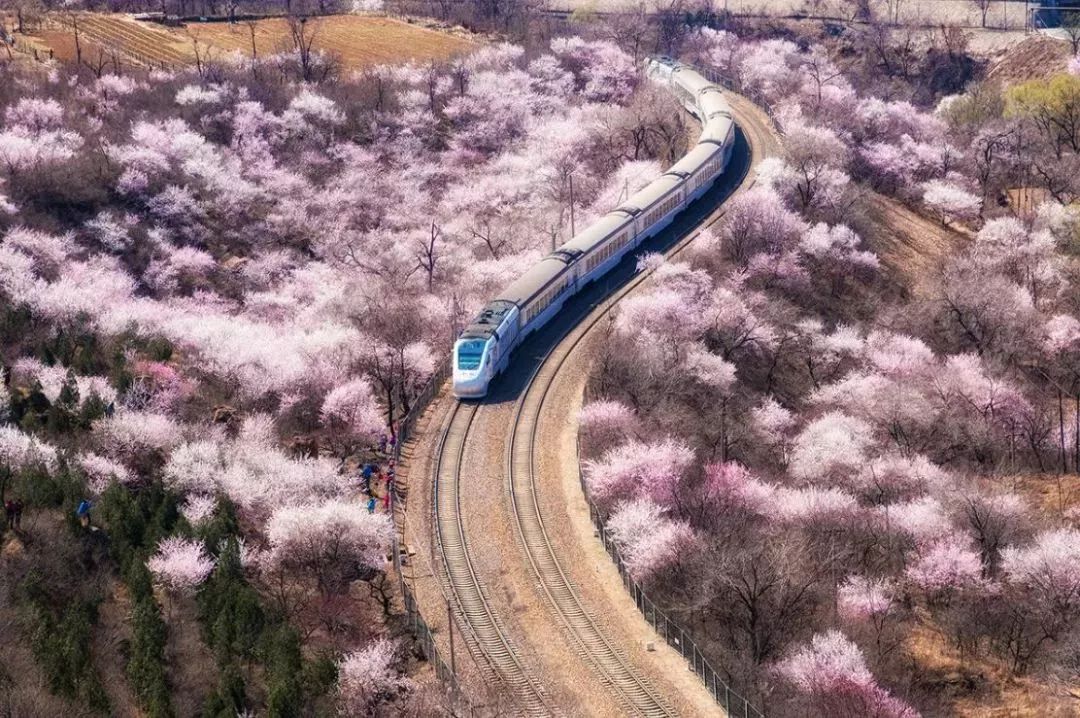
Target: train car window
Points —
{"points": [[469, 355]]}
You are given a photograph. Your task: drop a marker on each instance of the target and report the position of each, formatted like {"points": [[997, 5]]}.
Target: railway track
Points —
{"points": [[484, 627], [488, 637], [634, 691]]}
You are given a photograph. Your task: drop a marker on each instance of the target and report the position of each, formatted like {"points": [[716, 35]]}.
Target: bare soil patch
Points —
{"points": [[912, 248]]}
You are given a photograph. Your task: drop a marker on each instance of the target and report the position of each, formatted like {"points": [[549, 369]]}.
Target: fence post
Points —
{"points": [[450, 627]]}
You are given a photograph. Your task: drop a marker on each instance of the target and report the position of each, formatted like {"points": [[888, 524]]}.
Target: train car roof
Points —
{"points": [[691, 79], [597, 232], [695, 158], [650, 195], [714, 103], [534, 281], [716, 130]]}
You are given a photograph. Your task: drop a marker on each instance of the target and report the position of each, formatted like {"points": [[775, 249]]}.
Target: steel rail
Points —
{"points": [[472, 606], [633, 689]]}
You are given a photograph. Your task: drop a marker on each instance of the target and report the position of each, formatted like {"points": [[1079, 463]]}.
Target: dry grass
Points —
{"points": [[1052, 493], [358, 41], [45, 545], [1025, 201], [982, 688], [112, 631], [192, 669]]}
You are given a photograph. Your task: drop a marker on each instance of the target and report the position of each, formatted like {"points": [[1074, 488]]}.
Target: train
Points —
{"points": [[482, 351]]}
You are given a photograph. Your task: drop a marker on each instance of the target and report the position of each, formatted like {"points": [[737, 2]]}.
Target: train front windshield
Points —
{"points": [[469, 355]]}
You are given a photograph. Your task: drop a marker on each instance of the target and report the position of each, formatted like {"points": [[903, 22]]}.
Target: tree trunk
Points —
{"points": [[1061, 433], [1076, 434]]}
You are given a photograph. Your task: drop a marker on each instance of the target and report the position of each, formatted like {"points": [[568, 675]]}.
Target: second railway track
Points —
{"points": [[633, 690]]}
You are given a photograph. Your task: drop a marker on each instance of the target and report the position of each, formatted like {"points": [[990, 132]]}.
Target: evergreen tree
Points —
{"points": [[284, 668], [228, 699], [146, 665], [62, 414], [69, 392], [229, 609], [92, 409]]}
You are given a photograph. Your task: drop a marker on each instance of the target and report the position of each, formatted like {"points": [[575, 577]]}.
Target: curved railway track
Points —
{"points": [[486, 633], [635, 693], [484, 627]]}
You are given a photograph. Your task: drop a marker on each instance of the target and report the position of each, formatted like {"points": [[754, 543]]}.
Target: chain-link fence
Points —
{"points": [[420, 403], [426, 637], [675, 635]]}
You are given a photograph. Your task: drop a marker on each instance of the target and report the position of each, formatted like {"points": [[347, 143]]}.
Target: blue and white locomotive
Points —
{"points": [[483, 349]]}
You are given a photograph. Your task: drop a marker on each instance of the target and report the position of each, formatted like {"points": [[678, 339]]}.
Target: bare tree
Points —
{"points": [[494, 241], [302, 32], [201, 56], [860, 10], [427, 255], [27, 13], [71, 20], [764, 596], [1070, 23], [630, 29], [100, 60], [893, 10], [821, 71]]}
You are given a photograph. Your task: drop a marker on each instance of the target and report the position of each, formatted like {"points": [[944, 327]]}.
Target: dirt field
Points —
{"points": [[358, 40], [1037, 56]]}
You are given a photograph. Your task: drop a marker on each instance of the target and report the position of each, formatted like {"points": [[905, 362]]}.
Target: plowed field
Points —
{"points": [[358, 41]]}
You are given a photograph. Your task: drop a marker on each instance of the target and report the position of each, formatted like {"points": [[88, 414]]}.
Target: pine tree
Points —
{"points": [[229, 608], [69, 392]]}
